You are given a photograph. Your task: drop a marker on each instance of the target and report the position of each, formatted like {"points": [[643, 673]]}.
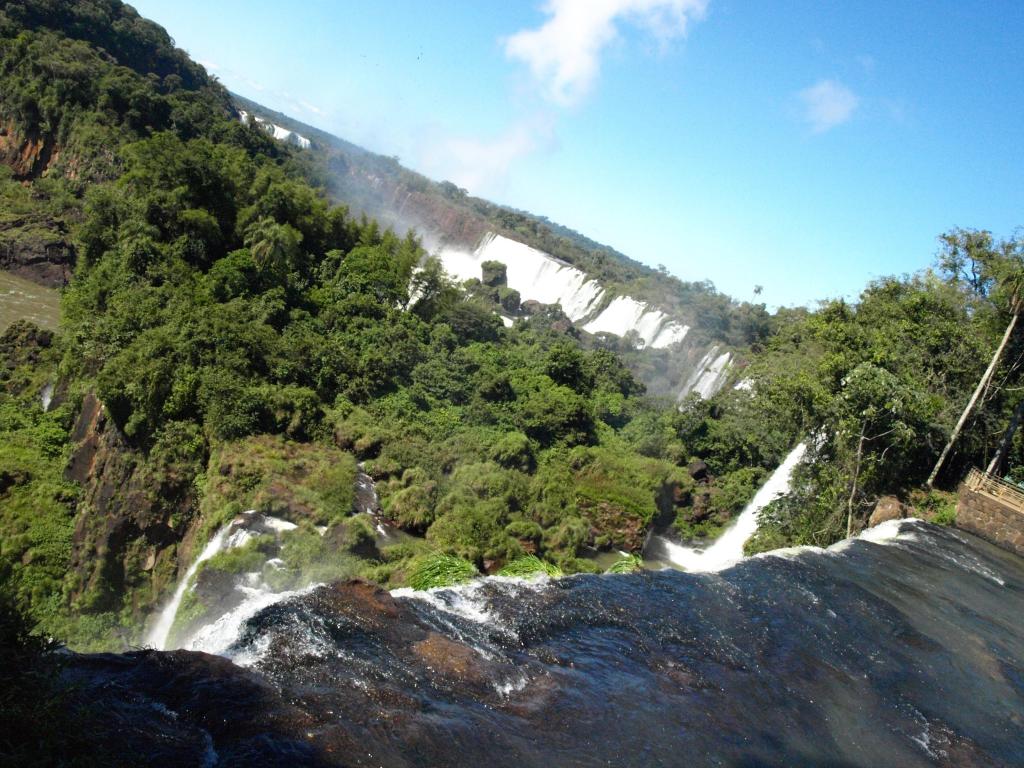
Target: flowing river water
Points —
{"points": [[902, 647], [21, 299]]}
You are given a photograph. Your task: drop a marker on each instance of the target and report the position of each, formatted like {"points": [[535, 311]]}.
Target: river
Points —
{"points": [[903, 647], [21, 299]]}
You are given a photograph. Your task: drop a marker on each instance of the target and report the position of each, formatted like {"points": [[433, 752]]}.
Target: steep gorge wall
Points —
{"points": [[129, 521]]}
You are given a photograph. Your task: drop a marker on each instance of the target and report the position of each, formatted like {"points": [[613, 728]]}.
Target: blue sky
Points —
{"points": [[806, 146]]}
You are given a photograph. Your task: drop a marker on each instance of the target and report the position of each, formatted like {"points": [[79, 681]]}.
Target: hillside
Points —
{"points": [[445, 215], [676, 337]]}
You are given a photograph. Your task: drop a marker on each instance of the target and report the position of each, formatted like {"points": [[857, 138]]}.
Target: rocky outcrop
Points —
{"points": [[42, 253], [186, 709], [22, 343], [128, 521], [28, 155], [887, 508]]}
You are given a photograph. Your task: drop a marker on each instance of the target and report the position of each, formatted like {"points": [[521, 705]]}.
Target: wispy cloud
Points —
{"points": [[311, 108], [482, 165], [564, 53], [827, 104]]}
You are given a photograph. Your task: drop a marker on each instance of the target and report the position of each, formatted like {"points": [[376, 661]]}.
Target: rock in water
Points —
{"points": [[887, 508]]}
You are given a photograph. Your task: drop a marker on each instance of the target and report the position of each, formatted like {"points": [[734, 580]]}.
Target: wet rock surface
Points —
{"points": [[894, 651]]}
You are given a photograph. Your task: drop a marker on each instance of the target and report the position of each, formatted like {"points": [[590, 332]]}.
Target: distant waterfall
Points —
{"points": [[727, 549], [541, 277], [709, 375]]}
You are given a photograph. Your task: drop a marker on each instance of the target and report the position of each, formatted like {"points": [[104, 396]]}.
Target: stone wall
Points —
{"points": [[991, 519]]}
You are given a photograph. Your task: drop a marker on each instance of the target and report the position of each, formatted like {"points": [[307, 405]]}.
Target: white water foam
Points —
{"points": [[709, 375], [219, 635], [462, 600], [727, 549]]}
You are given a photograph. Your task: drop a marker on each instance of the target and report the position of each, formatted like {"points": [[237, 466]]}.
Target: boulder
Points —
{"points": [[887, 508], [698, 470]]}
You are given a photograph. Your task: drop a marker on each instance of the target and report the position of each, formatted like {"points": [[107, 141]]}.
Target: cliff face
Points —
{"points": [[43, 254], [129, 520], [401, 205], [28, 155], [33, 244]]}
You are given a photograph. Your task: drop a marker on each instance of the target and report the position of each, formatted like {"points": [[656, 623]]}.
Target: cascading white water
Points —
{"points": [[709, 375], [220, 634], [727, 549], [541, 277], [533, 273], [624, 314], [537, 275], [161, 630], [230, 536]]}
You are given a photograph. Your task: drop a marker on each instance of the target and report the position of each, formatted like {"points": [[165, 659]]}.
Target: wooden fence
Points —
{"points": [[1010, 494]]}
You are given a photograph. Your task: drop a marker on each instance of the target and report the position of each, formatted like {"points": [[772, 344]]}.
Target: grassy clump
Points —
{"points": [[530, 565], [628, 564], [440, 570]]}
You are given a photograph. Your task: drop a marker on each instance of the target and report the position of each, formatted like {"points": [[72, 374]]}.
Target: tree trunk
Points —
{"points": [[974, 398], [1006, 440], [853, 485]]}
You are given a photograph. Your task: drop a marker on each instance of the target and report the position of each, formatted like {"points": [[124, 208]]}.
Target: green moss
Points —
{"points": [[244, 559]]}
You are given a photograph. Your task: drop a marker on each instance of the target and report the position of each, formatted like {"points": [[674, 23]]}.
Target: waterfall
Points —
{"points": [[235, 534], [625, 314], [541, 277], [533, 273], [46, 396], [158, 635], [709, 375], [727, 549]]}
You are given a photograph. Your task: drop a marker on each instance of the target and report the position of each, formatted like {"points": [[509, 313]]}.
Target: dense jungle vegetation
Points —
{"points": [[251, 341]]}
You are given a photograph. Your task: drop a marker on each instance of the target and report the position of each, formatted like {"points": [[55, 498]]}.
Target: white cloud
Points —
{"points": [[564, 53], [828, 103], [482, 165]]}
